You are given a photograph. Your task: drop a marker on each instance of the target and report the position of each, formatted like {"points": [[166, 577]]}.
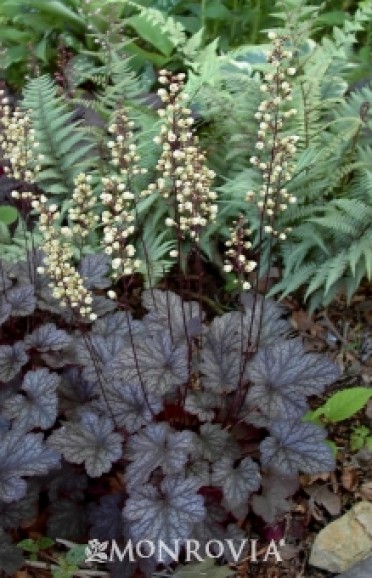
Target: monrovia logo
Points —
{"points": [[102, 552]]}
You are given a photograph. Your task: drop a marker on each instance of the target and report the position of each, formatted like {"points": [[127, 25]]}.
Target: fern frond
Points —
{"points": [[65, 148]]}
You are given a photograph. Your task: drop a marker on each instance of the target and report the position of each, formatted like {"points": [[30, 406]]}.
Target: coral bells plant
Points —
{"points": [[153, 424]]}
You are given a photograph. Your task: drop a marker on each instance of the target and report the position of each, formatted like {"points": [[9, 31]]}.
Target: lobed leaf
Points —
{"points": [[22, 455], [236, 482], [91, 441], [158, 445], [12, 359], [166, 514], [294, 447], [38, 407]]}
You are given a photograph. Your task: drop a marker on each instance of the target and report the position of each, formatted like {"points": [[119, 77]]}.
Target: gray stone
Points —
{"points": [[361, 570], [345, 542]]}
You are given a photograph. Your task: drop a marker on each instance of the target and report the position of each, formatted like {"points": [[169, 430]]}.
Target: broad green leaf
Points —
{"points": [[344, 404], [58, 10], [76, 555], [8, 214], [152, 30]]}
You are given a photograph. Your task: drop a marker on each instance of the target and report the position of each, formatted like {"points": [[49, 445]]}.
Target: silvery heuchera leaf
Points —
{"points": [[294, 446], [272, 503], [202, 404], [236, 482], [22, 299], [117, 324], [48, 337], [102, 306], [94, 352], [94, 270], [162, 366], [5, 273], [66, 481], [167, 514], [91, 441], [75, 394], [168, 312], [63, 358], [212, 526], [283, 375], [38, 407], [67, 519], [25, 509], [158, 445], [4, 424], [213, 441], [5, 310], [12, 358], [130, 406], [199, 470], [271, 326], [106, 519], [22, 455], [221, 355], [11, 558]]}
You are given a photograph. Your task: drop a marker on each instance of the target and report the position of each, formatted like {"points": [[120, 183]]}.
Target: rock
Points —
{"points": [[361, 570], [344, 542]]}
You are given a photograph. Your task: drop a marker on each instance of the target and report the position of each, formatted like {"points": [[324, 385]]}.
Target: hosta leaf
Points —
{"points": [[48, 338], [130, 406], [283, 375], [94, 270], [90, 441], [168, 312], [22, 299], [162, 365], [158, 445], [11, 558], [22, 455], [38, 407], [12, 358], [166, 514], [294, 447], [236, 482]]}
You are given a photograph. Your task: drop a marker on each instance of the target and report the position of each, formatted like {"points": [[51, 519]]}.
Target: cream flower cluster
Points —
{"points": [[17, 141], [119, 201], [81, 212], [237, 246], [184, 178], [275, 148], [65, 281], [123, 150]]}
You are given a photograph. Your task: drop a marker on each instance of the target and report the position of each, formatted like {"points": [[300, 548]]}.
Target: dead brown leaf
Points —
{"points": [[324, 497], [350, 479], [366, 491]]}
